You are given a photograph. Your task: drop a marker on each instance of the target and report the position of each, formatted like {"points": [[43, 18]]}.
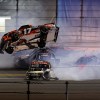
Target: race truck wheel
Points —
{"points": [[46, 76], [9, 50], [41, 44]]}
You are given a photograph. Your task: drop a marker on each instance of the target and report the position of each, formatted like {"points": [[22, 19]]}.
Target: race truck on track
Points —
{"points": [[28, 35], [39, 70], [24, 58]]}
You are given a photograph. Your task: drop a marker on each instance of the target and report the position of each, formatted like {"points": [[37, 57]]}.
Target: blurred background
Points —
{"points": [[22, 12], [79, 22], [78, 19]]}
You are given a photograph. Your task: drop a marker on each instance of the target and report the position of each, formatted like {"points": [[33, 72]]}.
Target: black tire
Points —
{"points": [[9, 50], [46, 76], [41, 44]]}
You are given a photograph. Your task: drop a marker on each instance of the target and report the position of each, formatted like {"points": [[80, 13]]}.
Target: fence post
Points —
{"points": [[66, 83], [28, 90]]}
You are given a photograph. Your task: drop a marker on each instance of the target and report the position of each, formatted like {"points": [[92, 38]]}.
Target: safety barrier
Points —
{"points": [[27, 89], [50, 90]]}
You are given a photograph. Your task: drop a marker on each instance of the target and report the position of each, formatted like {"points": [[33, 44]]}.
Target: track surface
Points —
{"points": [[13, 86]]}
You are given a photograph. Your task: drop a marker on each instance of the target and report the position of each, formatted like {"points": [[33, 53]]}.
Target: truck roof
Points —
{"points": [[40, 62]]}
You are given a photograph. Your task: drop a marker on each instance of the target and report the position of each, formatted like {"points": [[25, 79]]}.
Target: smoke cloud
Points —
{"points": [[78, 64], [6, 61]]}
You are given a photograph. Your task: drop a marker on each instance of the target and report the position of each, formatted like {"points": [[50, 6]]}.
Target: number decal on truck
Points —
{"points": [[27, 31]]}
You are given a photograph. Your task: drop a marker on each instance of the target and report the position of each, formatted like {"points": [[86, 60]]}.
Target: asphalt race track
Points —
{"points": [[13, 86]]}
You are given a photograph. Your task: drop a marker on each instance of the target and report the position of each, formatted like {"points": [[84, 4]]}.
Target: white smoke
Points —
{"points": [[67, 69], [6, 61]]}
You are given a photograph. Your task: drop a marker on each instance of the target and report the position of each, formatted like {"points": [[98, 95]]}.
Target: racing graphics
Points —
{"points": [[28, 35]]}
